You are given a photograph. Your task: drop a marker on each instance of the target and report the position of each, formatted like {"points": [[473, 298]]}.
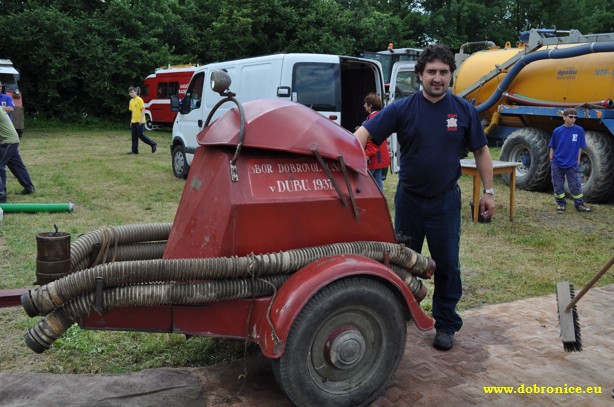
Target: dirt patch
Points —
{"points": [[515, 345]]}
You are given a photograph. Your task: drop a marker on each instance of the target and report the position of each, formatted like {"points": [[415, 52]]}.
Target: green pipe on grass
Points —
{"points": [[37, 207]]}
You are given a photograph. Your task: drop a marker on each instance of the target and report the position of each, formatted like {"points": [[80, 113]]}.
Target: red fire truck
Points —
{"points": [[157, 90]]}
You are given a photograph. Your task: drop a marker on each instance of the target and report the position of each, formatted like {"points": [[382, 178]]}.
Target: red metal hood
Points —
{"points": [[286, 126]]}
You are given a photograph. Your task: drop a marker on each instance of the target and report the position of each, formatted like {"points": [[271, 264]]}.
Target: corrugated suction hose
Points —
{"points": [[111, 237], [58, 299], [47, 331], [42, 300]]}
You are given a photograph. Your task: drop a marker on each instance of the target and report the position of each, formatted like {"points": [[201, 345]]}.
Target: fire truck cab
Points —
{"points": [[158, 89]]}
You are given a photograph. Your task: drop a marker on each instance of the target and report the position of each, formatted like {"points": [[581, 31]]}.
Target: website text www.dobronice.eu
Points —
{"points": [[537, 389]]}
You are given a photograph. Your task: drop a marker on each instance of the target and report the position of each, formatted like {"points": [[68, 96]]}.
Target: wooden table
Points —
{"points": [[499, 167]]}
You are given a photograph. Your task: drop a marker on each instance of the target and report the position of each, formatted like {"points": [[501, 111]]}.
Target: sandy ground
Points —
{"points": [[515, 344]]}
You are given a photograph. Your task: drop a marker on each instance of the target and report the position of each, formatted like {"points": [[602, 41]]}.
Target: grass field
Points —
{"points": [[501, 261]]}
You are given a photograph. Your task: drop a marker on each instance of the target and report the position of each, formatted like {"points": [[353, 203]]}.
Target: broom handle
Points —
{"points": [[589, 285]]}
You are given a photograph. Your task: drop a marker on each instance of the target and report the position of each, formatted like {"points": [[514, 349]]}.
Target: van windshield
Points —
{"points": [[317, 86], [9, 81]]}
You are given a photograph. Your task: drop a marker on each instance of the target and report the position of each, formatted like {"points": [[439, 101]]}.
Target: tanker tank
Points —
{"points": [[578, 80]]}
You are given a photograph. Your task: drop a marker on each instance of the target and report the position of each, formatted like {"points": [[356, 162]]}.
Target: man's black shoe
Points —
{"points": [[130, 152], [27, 191], [2, 198], [154, 147], [443, 341]]}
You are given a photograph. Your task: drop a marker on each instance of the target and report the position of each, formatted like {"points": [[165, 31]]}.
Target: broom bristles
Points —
{"points": [[568, 321], [576, 345]]}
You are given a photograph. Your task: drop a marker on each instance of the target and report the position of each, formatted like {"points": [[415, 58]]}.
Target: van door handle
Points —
{"points": [[200, 123]]}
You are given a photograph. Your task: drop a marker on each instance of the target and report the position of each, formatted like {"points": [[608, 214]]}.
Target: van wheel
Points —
{"points": [[148, 122], [180, 162], [344, 346]]}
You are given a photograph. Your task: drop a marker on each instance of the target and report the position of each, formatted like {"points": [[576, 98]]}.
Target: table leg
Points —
{"points": [[512, 192]]}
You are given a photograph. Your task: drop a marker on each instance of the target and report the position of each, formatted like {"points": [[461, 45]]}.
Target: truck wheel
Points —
{"points": [[597, 167], [180, 162], [148, 122], [344, 346], [529, 147]]}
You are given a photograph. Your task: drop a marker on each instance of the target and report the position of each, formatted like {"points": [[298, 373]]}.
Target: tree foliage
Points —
{"points": [[78, 58]]}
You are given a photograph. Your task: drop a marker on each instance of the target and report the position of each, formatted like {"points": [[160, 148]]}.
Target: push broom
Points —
{"points": [[568, 315]]}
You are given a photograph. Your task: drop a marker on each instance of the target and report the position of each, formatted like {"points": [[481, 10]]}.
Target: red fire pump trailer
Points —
{"points": [[328, 299]]}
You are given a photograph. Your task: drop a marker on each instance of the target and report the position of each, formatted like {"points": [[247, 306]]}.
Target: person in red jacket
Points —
{"points": [[378, 157]]}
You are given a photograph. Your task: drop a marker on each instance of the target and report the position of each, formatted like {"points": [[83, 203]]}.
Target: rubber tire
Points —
{"points": [[597, 168], [180, 162], [528, 146], [362, 303], [148, 123]]}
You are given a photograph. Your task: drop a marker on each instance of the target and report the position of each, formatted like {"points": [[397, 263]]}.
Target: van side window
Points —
{"points": [[317, 86], [195, 91], [144, 91], [173, 89]]}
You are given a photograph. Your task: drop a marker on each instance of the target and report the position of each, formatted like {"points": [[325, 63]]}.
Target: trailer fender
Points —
{"points": [[295, 293]]}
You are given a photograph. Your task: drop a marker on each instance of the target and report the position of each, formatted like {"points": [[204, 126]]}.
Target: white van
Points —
{"points": [[333, 85]]}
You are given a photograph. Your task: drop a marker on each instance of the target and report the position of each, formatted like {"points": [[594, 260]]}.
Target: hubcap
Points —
{"points": [[345, 347], [179, 162]]}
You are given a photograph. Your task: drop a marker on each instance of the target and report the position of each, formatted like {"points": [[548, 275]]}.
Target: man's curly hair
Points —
{"points": [[435, 52]]}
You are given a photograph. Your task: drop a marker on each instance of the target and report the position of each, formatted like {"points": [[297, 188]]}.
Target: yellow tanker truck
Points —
{"points": [[520, 91]]}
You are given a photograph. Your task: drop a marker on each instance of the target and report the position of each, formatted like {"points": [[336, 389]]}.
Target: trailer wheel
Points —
{"points": [[180, 162], [344, 347], [529, 147], [597, 167], [148, 123]]}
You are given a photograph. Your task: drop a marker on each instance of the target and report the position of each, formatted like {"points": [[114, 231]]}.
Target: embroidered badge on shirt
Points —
{"points": [[452, 122]]}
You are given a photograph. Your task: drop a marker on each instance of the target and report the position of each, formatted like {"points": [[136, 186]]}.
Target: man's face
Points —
{"points": [[435, 79], [132, 93]]}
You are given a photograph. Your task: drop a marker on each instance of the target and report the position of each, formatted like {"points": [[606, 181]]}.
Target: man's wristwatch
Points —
{"points": [[489, 191]]}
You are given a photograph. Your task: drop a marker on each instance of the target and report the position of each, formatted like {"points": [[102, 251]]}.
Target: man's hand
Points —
{"points": [[487, 206]]}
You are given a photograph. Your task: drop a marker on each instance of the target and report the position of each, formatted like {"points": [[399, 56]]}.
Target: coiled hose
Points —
{"points": [[47, 331], [111, 237], [42, 300], [129, 284]]}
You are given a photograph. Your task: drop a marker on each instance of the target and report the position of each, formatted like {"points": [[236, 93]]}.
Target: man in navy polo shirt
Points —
{"points": [[433, 129]]}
